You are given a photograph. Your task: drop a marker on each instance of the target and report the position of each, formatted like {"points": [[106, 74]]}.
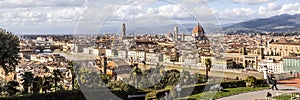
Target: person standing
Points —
{"points": [[270, 80]]}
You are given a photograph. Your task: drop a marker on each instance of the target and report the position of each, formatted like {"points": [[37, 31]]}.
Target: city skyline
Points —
{"points": [[61, 17], [151, 49]]}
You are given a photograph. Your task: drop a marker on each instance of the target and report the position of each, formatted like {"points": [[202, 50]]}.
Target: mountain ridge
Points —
{"points": [[278, 23]]}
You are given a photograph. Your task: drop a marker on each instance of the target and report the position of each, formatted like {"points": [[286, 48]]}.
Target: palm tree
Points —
{"points": [[57, 77], [27, 81], [11, 88], [207, 67]]}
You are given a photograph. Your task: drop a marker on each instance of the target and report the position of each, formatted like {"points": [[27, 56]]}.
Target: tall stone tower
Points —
{"points": [[123, 30], [182, 37], [175, 33]]}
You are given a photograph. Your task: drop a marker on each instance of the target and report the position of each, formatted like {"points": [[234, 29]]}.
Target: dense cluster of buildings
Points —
{"points": [[116, 54], [278, 53], [37, 57]]}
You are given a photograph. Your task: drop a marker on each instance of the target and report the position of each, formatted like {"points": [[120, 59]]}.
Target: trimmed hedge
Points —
{"points": [[62, 95], [103, 94], [157, 93], [198, 88], [233, 84], [107, 94]]}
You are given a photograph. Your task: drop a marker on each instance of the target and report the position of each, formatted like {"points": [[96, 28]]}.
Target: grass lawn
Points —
{"points": [[283, 97], [287, 96], [226, 92]]}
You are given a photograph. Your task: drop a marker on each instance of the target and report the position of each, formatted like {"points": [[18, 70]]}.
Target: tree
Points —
{"points": [[128, 88], [27, 81], [37, 84], [93, 79], [71, 69], [170, 78], [144, 82], [11, 88], [9, 57], [250, 81], [2, 85], [154, 78], [186, 78], [82, 77], [207, 67], [136, 74], [57, 77], [46, 83], [105, 78]]}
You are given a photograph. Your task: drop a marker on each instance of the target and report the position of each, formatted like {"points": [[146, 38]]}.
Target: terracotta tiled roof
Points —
{"points": [[286, 43], [198, 29], [292, 57]]}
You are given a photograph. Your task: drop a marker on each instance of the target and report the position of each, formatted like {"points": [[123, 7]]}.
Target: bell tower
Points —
{"points": [[176, 33], [123, 30]]}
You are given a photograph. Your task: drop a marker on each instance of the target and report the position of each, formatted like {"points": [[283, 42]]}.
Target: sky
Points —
{"points": [[140, 16]]}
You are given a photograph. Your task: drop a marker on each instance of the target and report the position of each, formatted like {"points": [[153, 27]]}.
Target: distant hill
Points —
{"points": [[279, 23], [183, 28]]}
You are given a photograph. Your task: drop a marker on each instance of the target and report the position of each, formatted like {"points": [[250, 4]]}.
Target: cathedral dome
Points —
{"points": [[199, 34], [198, 30]]}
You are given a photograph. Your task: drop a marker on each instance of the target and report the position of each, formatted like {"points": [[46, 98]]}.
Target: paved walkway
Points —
{"points": [[262, 94], [291, 82]]}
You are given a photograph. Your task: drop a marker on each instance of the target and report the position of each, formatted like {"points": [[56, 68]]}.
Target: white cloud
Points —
{"points": [[21, 13], [273, 6], [198, 1], [290, 7], [39, 3], [262, 10], [40, 15], [141, 2], [274, 9], [129, 12], [173, 11], [17, 13], [252, 2], [236, 13]]}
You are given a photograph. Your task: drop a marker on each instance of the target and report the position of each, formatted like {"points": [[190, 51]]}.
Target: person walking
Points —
{"points": [[269, 80], [274, 83]]}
